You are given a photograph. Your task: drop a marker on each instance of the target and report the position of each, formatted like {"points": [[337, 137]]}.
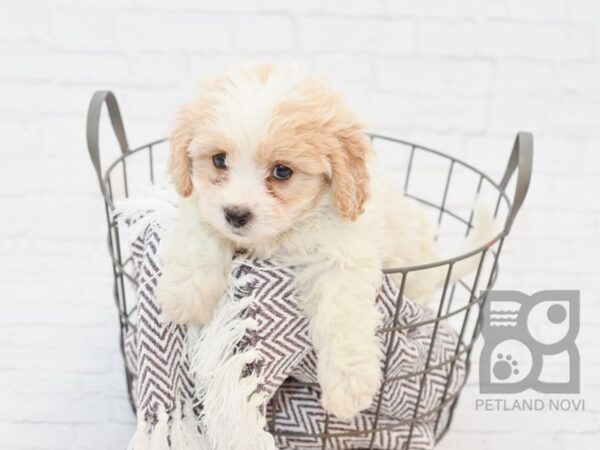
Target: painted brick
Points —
{"points": [[437, 76], [460, 76], [174, 31], [358, 35], [505, 38], [447, 38], [265, 33]]}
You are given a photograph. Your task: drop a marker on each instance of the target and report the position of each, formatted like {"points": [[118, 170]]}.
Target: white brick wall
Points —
{"points": [[462, 75]]}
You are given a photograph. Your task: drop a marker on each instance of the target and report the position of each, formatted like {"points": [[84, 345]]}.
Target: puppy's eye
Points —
{"points": [[282, 172], [220, 160]]}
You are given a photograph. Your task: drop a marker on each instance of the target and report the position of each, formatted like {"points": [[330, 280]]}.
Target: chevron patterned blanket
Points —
{"points": [[247, 381]]}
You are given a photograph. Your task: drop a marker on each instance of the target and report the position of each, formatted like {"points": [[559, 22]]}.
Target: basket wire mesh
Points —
{"points": [[460, 302]]}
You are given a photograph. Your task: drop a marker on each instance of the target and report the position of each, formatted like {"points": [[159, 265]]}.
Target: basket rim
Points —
{"points": [[450, 261]]}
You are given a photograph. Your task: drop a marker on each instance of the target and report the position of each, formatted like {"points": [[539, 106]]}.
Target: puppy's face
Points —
{"points": [[261, 146]]}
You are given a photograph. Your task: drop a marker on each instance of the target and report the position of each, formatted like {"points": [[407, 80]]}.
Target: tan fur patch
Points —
{"points": [[309, 128]]}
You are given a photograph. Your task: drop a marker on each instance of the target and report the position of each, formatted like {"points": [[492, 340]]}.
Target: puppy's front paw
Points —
{"points": [[182, 311], [189, 300], [345, 395]]}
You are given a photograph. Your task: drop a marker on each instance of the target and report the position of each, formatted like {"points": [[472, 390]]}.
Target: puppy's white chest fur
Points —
{"points": [[272, 160]]}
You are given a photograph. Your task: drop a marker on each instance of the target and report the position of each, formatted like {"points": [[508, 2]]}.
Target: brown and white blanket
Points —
{"points": [[247, 381]]}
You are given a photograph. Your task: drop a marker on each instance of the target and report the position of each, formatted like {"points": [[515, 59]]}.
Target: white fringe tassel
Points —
{"points": [[184, 430], [182, 434], [158, 206], [141, 438], [159, 437], [232, 414]]}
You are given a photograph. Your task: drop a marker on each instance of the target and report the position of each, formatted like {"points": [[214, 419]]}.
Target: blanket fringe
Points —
{"points": [[141, 438], [185, 433], [230, 399], [159, 437], [156, 207]]}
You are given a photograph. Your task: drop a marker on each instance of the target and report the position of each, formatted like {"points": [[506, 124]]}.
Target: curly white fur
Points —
{"points": [[335, 221]]}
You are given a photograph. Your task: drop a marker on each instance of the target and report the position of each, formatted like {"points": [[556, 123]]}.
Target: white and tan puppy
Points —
{"points": [[272, 161]]}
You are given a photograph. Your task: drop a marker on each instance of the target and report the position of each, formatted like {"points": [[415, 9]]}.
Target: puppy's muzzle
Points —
{"points": [[237, 217]]}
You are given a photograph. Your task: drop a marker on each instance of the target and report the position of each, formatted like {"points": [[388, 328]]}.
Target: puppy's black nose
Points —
{"points": [[237, 217]]}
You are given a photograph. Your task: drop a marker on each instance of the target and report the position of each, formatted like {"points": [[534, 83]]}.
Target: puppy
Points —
{"points": [[272, 161]]}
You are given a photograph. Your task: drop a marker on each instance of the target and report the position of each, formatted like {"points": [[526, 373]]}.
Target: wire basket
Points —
{"points": [[444, 185]]}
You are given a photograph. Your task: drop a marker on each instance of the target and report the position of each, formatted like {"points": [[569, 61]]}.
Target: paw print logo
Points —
{"points": [[523, 332], [505, 367]]}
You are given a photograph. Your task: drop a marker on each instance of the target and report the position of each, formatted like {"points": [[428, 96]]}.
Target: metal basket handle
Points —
{"points": [[93, 127], [521, 158]]}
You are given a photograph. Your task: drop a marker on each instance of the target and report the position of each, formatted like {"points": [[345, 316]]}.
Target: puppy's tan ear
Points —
{"points": [[350, 176], [180, 165]]}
